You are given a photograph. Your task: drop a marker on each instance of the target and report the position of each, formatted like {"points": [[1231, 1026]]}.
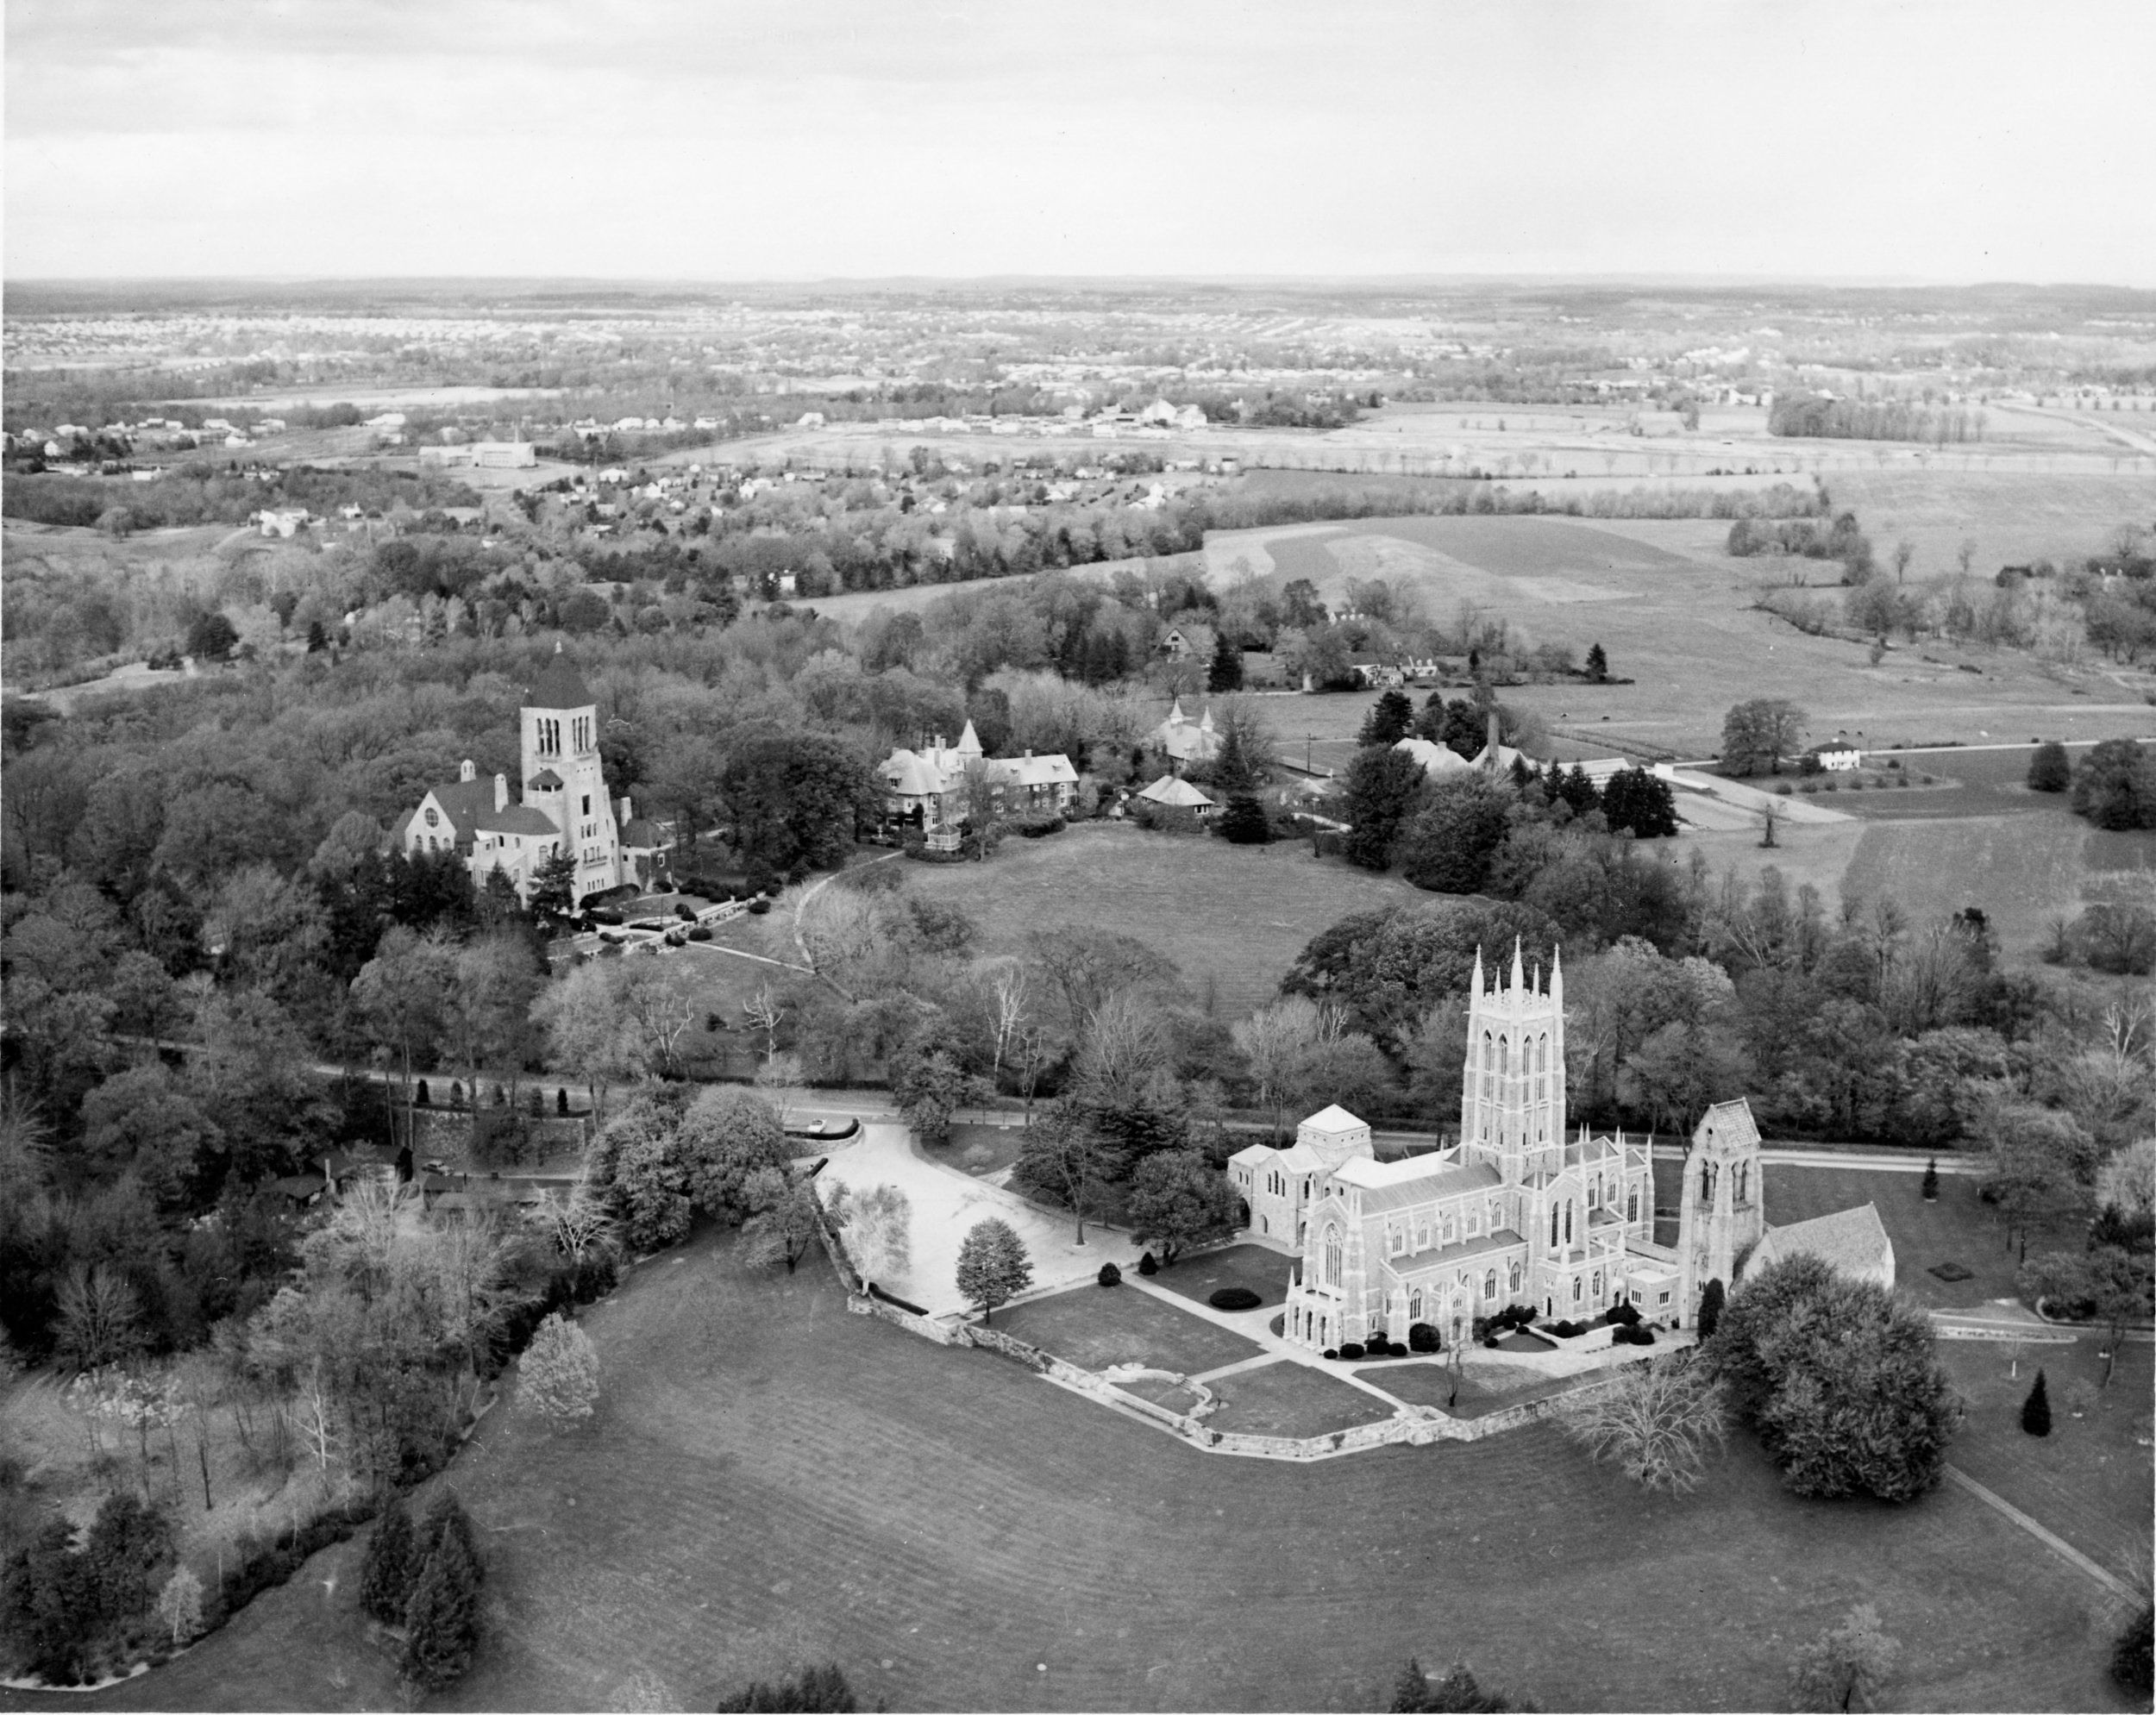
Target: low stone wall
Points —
{"points": [[995, 1340], [861, 1305]]}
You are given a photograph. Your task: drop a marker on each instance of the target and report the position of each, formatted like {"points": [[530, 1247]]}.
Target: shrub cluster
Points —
{"points": [[1234, 1297]]}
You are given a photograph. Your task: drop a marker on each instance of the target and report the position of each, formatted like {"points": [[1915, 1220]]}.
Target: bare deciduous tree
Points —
{"points": [[1656, 1423]]}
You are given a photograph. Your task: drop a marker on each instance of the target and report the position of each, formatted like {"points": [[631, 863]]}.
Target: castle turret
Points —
{"points": [[1722, 1211], [1511, 1100]]}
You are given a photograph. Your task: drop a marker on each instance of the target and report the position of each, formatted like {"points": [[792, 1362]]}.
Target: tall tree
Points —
{"points": [[1065, 1159], [1179, 1200], [993, 1266], [1757, 734], [1384, 789], [1390, 719]]}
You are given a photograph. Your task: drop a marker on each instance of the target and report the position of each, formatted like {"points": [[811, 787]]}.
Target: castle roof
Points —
{"points": [[1850, 1240], [514, 818], [546, 780], [1729, 1125], [558, 686], [1334, 1118], [1420, 1178], [465, 802]]}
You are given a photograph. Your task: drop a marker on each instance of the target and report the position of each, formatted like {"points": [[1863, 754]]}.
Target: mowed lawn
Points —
{"points": [[1095, 1327], [1232, 918], [1289, 1399], [2088, 1480], [1263, 1271], [767, 1475], [1958, 1228]]}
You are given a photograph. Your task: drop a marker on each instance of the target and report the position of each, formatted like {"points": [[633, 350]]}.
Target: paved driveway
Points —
{"points": [[946, 1204]]}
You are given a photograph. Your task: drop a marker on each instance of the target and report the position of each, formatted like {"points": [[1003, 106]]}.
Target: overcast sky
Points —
{"points": [[787, 138]]}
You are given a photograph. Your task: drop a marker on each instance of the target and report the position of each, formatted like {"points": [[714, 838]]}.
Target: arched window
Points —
{"points": [[1579, 1288], [1515, 1274], [1594, 1193], [1414, 1306], [1332, 1256], [1598, 1286], [1568, 1220], [1707, 1181], [1631, 1205], [1553, 1226], [1489, 1284], [1489, 1062]]}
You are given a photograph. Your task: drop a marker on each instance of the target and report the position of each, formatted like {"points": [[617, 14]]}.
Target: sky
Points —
{"points": [[801, 139]]}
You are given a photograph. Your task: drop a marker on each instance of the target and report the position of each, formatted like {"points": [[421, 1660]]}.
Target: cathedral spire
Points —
{"points": [[1519, 978], [1477, 989]]}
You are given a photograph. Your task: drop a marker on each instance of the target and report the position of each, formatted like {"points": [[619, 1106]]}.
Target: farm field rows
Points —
{"points": [[769, 1476]]}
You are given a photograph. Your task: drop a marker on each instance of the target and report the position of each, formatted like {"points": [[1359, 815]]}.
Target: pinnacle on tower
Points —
{"points": [[1478, 970], [1518, 977]]}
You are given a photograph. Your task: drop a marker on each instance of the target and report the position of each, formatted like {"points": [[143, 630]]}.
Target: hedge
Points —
{"points": [[1235, 1298]]}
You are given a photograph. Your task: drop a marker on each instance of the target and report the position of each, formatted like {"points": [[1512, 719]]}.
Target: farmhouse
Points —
{"points": [[1838, 756], [563, 808], [1515, 1212], [1189, 642]]}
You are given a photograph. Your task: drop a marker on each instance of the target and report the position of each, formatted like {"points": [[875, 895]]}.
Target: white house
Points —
{"points": [[1839, 756]]}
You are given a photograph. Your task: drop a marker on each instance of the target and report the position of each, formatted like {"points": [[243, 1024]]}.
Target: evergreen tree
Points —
{"points": [[441, 1621], [1639, 803], [1224, 675], [446, 1517], [2036, 1409], [1598, 664], [1244, 822], [317, 640], [1464, 727], [1233, 772], [1931, 1181], [1388, 721], [1711, 1297], [1383, 787], [1577, 791], [387, 1570]]}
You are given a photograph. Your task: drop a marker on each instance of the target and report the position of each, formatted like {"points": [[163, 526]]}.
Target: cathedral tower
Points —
{"points": [[1723, 1206], [1512, 1102], [562, 776]]}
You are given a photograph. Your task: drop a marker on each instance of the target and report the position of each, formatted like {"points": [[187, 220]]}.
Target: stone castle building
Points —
{"points": [[561, 804], [1519, 1210]]}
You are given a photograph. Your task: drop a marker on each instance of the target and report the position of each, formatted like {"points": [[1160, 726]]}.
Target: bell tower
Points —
{"points": [[1512, 1099], [1723, 1206]]}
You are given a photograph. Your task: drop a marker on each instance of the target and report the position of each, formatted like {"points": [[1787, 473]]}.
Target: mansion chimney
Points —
{"points": [[501, 792]]}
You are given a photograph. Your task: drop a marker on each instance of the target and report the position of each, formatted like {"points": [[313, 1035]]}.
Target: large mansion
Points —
{"points": [[561, 804], [928, 786], [1518, 1211]]}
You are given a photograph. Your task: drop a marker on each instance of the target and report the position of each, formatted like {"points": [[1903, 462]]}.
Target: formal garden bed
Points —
{"points": [[1251, 1267], [1291, 1398], [1095, 1327]]}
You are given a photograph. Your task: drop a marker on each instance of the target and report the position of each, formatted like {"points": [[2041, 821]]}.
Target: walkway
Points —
{"points": [[2058, 1545]]}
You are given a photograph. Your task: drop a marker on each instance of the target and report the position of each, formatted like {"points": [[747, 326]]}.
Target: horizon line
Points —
{"points": [[1555, 278]]}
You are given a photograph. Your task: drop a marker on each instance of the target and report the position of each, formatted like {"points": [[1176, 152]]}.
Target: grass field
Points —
{"points": [[2088, 1480], [1231, 917], [769, 1477], [1675, 614], [1289, 1399], [1095, 1327], [2014, 517]]}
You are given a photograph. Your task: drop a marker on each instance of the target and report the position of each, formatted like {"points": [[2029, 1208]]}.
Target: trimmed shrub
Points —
{"points": [[1351, 1350], [699, 933], [1147, 1266], [1395, 1351], [1110, 1275], [1329, 1353], [758, 906], [420, 1096], [1235, 1298], [1627, 1313]]}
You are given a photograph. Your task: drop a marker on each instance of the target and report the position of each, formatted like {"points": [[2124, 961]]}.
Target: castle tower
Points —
{"points": [[1511, 1100], [561, 774], [1722, 1211]]}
